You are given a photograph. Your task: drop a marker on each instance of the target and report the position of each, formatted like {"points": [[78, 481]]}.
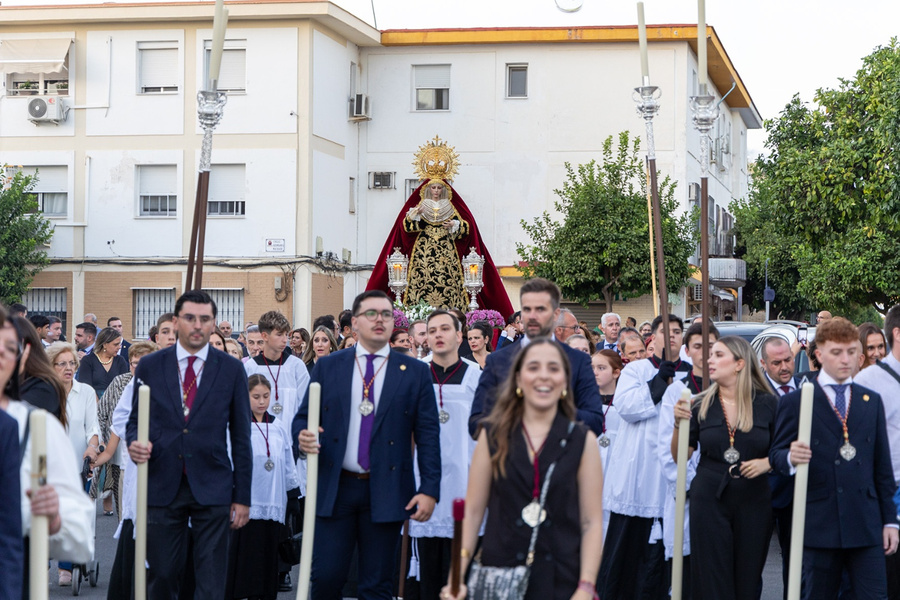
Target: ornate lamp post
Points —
{"points": [[473, 269], [398, 271]]}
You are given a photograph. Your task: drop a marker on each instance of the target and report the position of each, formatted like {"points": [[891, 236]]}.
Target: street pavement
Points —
{"points": [[106, 550]]}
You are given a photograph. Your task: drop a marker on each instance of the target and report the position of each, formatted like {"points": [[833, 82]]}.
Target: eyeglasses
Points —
{"points": [[63, 365], [373, 314]]}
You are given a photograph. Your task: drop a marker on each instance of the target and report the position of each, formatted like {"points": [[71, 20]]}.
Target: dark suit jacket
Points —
{"points": [[848, 502], [197, 445], [503, 342], [11, 559], [498, 365], [782, 486], [123, 352], [407, 409]]}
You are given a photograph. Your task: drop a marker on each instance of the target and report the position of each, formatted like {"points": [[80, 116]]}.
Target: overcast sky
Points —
{"points": [[779, 47]]}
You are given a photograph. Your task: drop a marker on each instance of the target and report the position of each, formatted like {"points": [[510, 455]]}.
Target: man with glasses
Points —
{"points": [[374, 400], [566, 325], [198, 398]]}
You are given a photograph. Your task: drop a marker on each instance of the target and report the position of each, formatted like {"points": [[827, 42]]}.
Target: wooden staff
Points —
{"points": [[652, 246], [660, 258], [39, 542], [459, 511], [801, 481], [680, 501], [140, 520], [312, 486]]}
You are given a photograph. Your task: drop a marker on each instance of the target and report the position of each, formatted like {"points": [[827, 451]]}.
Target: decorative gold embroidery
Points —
{"points": [[435, 271]]}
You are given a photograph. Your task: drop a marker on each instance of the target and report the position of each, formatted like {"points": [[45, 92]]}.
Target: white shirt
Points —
{"points": [[268, 492], [877, 379], [182, 356], [777, 386], [351, 454], [81, 415]]}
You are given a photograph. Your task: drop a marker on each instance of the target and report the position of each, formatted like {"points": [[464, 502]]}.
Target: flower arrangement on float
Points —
{"points": [[404, 315], [494, 318]]}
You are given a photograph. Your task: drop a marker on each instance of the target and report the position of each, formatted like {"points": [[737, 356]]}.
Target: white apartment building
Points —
{"points": [[312, 159]]}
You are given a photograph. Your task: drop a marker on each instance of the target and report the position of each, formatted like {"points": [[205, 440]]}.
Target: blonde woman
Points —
{"points": [[731, 512]]}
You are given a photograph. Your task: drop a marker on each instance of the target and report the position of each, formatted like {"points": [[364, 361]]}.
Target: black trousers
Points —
{"points": [[632, 568], [434, 565], [783, 517], [824, 567], [167, 546], [121, 578], [351, 525]]}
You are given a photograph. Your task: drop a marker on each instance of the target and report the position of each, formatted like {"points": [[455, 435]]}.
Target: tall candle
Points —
{"points": [[701, 44], [218, 42], [140, 523], [801, 482], [642, 39], [680, 501], [39, 549], [312, 486]]}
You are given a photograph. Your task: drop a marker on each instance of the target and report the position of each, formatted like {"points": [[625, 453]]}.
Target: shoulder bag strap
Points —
{"points": [[24, 441], [534, 530], [892, 372]]}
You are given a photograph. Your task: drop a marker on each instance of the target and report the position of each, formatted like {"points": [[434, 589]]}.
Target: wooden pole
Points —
{"points": [[202, 197], [312, 487], [801, 482], [704, 273], [140, 520], [652, 263], [39, 536], [680, 501], [192, 250], [660, 258], [459, 511]]}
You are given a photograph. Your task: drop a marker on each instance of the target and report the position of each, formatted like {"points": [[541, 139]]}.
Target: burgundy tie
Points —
{"points": [[785, 389], [365, 427], [189, 386]]}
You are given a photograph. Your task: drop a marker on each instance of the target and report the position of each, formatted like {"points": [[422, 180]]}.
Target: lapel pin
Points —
{"points": [[865, 397], [403, 368]]}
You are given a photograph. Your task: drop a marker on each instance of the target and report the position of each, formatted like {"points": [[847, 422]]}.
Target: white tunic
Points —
{"points": [[292, 379], [81, 416], [74, 541], [878, 380], [457, 447], [611, 423], [634, 481], [670, 469], [268, 493]]}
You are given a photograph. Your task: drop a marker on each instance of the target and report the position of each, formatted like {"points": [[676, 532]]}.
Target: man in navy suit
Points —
{"points": [[374, 403], [540, 310], [11, 559], [851, 520], [777, 360], [198, 396]]}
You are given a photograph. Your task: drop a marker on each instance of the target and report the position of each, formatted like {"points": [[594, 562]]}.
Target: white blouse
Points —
{"points": [[268, 493], [74, 541], [81, 414]]}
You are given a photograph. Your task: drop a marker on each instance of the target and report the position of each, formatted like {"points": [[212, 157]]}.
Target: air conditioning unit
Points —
{"points": [[46, 109], [359, 107], [381, 180]]}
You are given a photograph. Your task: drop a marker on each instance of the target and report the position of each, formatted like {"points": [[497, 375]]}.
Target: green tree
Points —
{"points": [[599, 248], [22, 232], [826, 202]]}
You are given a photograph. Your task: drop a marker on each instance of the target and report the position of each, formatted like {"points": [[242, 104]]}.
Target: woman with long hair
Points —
{"points": [[321, 344], [874, 346], [733, 421], [531, 427], [39, 384], [299, 340], [104, 364], [401, 342]]}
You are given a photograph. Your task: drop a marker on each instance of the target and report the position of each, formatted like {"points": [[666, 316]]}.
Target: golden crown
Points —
{"points": [[436, 160]]}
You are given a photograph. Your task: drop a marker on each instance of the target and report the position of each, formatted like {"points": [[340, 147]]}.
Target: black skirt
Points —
{"points": [[253, 560]]}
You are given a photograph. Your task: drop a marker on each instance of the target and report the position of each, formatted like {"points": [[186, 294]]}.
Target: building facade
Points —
{"points": [[312, 159]]}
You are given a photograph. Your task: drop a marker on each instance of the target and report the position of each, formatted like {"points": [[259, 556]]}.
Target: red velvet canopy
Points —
{"points": [[493, 296]]}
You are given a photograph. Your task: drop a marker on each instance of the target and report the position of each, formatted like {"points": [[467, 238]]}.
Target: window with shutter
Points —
{"points": [[227, 189], [233, 70], [157, 67], [157, 190], [50, 188], [149, 305], [432, 87]]}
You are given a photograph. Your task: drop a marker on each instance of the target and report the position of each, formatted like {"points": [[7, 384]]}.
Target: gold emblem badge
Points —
{"points": [[403, 368], [865, 397]]}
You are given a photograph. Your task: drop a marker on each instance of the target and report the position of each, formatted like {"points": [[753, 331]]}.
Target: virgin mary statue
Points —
{"points": [[435, 229]]}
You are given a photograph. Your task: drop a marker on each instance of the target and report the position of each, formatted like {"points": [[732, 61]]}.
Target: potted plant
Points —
{"points": [[62, 88], [27, 88]]}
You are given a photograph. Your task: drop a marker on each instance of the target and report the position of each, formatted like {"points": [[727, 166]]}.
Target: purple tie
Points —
{"points": [[365, 427]]}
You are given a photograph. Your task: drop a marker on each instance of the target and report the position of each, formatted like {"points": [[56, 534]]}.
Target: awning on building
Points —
{"points": [[34, 56]]}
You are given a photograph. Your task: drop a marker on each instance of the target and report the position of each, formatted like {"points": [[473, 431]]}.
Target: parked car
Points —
{"points": [[788, 331], [745, 329]]}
